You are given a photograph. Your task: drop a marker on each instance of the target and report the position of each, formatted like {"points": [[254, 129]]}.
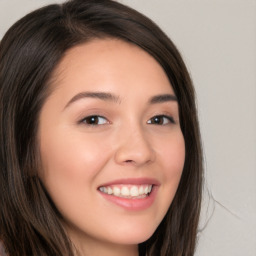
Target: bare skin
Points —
{"points": [[111, 123]]}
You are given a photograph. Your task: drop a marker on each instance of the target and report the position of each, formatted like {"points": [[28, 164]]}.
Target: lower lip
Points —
{"points": [[133, 204]]}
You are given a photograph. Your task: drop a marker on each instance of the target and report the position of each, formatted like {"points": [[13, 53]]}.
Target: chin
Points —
{"points": [[134, 236]]}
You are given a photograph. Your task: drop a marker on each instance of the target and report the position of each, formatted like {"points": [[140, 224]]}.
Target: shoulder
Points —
{"points": [[2, 250]]}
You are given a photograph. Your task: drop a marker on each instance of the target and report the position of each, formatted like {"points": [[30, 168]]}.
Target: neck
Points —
{"points": [[106, 249], [88, 246], [110, 251]]}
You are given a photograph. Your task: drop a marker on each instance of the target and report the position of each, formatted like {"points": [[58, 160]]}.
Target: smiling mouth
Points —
{"points": [[127, 191]]}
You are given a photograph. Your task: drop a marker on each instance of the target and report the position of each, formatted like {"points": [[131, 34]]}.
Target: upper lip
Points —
{"points": [[132, 181]]}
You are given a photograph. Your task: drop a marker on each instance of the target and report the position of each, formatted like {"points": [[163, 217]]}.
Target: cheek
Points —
{"points": [[70, 164], [67, 153], [172, 155], [172, 158]]}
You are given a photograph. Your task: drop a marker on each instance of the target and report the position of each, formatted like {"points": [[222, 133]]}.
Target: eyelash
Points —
{"points": [[93, 120], [160, 118]]}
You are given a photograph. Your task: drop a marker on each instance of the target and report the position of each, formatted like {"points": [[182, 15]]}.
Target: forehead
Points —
{"points": [[110, 65]]}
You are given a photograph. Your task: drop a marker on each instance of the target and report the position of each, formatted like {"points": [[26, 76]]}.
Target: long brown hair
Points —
{"points": [[29, 52]]}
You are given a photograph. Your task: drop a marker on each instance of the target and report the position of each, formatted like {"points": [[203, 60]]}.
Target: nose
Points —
{"points": [[134, 148]]}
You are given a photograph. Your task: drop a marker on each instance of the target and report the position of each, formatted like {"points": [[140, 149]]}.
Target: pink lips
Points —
{"points": [[133, 204]]}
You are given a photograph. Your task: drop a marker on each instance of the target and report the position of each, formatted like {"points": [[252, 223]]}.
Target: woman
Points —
{"points": [[100, 145]]}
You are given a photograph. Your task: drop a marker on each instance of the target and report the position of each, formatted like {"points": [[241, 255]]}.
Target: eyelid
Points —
{"points": [[168, 117], [163, 120], [82, 121]]}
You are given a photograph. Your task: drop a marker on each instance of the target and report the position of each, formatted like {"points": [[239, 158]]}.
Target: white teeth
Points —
{"points": [[116, 191], [141, 190], [110, 191], [134, 191], [129, 191], [125, 191]]}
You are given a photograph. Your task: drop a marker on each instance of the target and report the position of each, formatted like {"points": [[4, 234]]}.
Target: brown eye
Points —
{"points": [[161, 120], [94, 120]]}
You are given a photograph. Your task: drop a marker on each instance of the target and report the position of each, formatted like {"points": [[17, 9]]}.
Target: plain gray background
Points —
{"points": [[217, 39]]}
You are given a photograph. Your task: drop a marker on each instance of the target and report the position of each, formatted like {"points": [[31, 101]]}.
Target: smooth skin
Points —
{"points": [[100, 124]]}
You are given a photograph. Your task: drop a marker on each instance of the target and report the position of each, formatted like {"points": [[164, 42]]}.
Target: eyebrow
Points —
{"points": [[105, 96], [162, 98]]}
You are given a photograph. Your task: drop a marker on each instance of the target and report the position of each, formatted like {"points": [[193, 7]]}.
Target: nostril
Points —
{"points": [[128, 161]]}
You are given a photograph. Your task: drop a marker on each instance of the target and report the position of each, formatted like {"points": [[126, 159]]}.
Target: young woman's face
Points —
{"points": [[111, 145]]}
